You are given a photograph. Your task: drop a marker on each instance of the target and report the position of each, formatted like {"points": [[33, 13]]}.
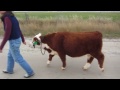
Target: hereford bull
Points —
{"points": [[73, 44]]}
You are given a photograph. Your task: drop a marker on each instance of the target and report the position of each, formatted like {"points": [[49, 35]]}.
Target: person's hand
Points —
{"points": [[0, 51], [24, 42]]}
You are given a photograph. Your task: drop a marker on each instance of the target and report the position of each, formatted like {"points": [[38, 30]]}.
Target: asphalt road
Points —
{"points": [[111, 50]]}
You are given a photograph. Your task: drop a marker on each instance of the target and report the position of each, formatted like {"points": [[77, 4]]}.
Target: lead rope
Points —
{"points": [[41, 48]]}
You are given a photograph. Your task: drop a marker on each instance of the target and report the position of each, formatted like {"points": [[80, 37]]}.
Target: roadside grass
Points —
{"points": [[33, 23]]}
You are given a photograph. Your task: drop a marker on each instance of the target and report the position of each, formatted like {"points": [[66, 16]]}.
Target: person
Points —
{"points": [[13, 34]]}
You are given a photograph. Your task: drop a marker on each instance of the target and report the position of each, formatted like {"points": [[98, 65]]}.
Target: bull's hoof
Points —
{"points": [[84, 69], [86, 66], [102, 69], [48, 62], [62, 68]]}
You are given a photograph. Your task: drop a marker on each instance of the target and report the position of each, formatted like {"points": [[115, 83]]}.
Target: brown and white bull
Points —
{"points": [[73, 44]]}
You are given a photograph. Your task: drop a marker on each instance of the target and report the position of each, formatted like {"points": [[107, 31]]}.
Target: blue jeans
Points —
{"points": [[14, 55]]}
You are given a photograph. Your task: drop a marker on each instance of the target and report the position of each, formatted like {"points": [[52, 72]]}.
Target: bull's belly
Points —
{"points": [[76, 52], [71, 53], [76, 55]]}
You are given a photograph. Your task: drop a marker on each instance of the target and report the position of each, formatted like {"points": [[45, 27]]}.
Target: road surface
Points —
{"points": [[111, 50]]}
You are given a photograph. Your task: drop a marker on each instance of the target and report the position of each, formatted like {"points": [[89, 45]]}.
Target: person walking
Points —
{"points": [[13, 34]]}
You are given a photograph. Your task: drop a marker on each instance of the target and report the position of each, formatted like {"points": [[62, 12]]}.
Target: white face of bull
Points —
{"points": [[43, 45], [38, 36], [31, 44]]}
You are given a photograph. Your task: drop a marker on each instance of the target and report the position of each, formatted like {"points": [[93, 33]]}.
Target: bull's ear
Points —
{"points": [[40, 34]]}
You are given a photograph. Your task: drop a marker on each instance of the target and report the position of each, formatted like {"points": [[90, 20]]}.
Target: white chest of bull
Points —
{"points": [[52, 51]]}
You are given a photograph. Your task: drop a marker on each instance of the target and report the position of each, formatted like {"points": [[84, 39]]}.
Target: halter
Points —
{"points": [[41, 45]]}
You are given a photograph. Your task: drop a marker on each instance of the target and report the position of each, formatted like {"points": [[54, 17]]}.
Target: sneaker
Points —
{"points": [[27, 76], [5, 71]]}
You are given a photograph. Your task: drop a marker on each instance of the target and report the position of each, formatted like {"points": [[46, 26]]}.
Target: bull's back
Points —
{"points": [[79, 43]]}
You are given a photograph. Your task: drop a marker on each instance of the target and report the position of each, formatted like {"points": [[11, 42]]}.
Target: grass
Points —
{"points": [[84, 15], [108, 23]]}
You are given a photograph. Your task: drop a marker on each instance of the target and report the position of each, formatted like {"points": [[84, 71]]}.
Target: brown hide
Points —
{"points": [[74, 44]]}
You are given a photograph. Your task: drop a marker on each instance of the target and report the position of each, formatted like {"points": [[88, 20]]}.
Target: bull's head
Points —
{"points": [[35, 40]]}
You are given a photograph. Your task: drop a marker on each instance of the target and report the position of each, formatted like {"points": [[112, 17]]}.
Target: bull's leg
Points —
{"points": [[63, 59], [50, 59], [100, 59], [89, 61]]}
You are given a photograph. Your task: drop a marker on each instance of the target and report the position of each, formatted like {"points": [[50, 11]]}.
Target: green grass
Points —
{"points": [[108, 23], [115, 16]]}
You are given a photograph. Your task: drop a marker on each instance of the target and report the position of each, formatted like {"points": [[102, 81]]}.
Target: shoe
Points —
{"points": [[5, 71], [27, 76]]}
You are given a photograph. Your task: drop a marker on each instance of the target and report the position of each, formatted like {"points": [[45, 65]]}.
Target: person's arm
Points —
{"points": [[8, 27], [23, 39]]}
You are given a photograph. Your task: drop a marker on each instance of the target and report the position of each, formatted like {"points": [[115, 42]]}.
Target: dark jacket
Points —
{"points": [[11, 28]]}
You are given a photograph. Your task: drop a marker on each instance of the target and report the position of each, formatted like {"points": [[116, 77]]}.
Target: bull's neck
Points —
{"points": [[42, 39], [45, 39]]}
